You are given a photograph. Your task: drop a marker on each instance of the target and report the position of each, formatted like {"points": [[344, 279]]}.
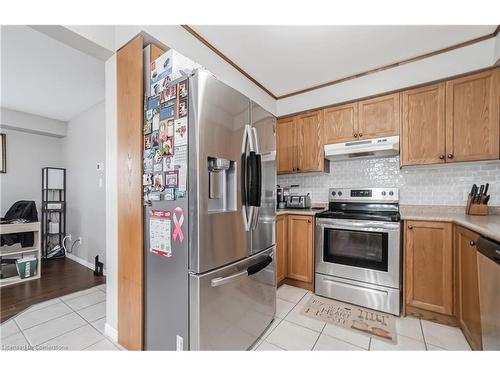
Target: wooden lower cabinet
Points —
{"points": [[468, 310], [429, 266], [441, 276], [281, 247], [295, 250]]}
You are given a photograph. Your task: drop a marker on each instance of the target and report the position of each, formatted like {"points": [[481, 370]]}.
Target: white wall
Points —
{"points": [[27, 122], [473, 57], [84, 147], [496, 59], [419, 185], [27, 154], [111, 327]]}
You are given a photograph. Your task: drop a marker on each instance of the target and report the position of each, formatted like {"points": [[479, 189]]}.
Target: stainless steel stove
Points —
{"points": [[358, 248]]}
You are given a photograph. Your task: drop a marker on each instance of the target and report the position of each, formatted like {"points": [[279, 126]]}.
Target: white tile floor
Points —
{"points": [[72, 322], [293, 331], [76, 322]]}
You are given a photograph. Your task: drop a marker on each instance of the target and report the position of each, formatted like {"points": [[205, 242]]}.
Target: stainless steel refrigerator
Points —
{"points": [[217, 291]]}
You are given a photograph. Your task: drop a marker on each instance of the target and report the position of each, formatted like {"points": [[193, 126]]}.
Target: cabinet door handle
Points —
{"points": [[355, 135], [441, 156], [360, 135], [410, 226], [450, 156], [472, 243], [309, 220]]}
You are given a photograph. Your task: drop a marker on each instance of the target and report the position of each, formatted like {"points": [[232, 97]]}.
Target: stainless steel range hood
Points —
{"points": [[370, 148]]}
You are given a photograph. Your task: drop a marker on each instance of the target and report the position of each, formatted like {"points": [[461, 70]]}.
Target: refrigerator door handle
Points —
{"points": [[256, 185], [218, 281], [251, 270], [246, 213]]}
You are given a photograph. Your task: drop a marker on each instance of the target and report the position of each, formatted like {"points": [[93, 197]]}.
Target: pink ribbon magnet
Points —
{"points": [[178, 235]]}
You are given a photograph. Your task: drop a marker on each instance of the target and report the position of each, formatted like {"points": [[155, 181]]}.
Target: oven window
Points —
{"points": [[356, 248]]}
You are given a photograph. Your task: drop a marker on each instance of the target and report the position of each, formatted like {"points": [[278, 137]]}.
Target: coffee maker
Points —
{"points": [[281, 193]]}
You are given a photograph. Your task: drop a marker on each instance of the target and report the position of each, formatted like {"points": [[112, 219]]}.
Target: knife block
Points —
{"points": [[480, 209]]}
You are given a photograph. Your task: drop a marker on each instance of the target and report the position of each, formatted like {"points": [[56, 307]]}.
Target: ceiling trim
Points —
{"points": [[347, 78], [227, 59]]}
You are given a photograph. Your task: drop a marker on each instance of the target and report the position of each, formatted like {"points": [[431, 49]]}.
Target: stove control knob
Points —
{"points": [[333, 193], [339, 193], [391, 193], [384, 193]]}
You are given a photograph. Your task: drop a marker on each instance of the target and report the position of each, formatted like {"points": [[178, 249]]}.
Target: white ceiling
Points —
{"points": [[290, 58], [43, 76]]}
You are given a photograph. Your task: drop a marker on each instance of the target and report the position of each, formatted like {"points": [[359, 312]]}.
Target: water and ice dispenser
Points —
{"points": [[221, 184]]}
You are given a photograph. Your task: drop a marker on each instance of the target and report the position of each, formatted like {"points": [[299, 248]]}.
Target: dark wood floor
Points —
{"points": [[59, 277]]}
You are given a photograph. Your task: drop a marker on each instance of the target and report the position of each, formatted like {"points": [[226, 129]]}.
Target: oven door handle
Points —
{"points": [[346, 224], [354, 286]]}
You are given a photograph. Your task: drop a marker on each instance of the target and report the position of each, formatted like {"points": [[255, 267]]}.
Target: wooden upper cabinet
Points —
{"points": [[340, 123], [309, 133], [286, 145], [379, 117], [429, 266], [281, 247], [423, 125], [472, 117], [468, 312], [300, 248]]}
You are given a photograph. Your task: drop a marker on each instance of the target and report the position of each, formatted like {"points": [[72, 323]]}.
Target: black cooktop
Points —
{"points": [[361, 211], [356, 215]]}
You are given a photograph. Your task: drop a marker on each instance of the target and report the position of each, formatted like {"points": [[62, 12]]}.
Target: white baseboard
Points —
{"points": [[111, 332], [83, 262]]}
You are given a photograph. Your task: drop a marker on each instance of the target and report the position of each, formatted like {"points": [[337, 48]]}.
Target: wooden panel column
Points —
{"points": [[130, 210]]}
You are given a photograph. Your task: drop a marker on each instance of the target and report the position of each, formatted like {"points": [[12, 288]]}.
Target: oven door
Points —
{"points": [[365, 251]]}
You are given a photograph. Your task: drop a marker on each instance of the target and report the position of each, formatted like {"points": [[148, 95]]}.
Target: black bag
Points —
{"points": [[20, 210]]}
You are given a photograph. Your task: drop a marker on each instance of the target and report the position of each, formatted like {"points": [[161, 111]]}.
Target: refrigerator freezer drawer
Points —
{"points": [[231, 307]]}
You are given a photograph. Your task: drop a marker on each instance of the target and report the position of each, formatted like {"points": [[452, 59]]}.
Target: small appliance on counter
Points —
{"points": [[298, 201], [281, 194]]}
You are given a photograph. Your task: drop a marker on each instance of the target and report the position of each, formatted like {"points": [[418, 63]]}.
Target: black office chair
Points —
{"points": [[21, 210]]}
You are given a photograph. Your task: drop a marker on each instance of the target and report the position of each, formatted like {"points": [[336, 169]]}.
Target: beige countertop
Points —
{"points": [[488, 226], [300, 211]]}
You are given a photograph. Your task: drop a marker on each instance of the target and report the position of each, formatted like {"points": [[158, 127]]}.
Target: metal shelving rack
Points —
{"points": [[53, 194]]}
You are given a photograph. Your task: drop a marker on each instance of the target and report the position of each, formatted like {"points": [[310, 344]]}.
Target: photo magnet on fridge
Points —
{"points": [[167, 112], [147, 142], [154, 139], [168, 94], [168, 163], [182, 87], [158, 167], [158, 156], [180, 131], [148, 125], [147, 179], [148, 162], [167, 147], [169, 194], [182, 109], [158, 181], [171, 179], [153, 102]]}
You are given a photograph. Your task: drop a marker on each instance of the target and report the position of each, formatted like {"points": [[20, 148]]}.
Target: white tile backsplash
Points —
{"points": [[446, 184]]}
